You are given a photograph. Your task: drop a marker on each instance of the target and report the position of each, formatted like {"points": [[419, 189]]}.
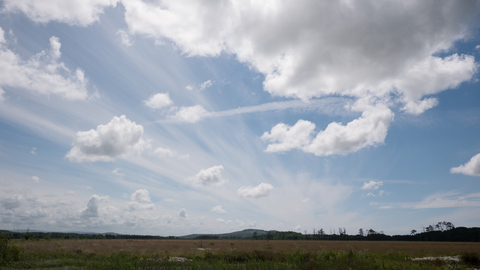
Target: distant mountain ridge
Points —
{"points": [[247, 233]]}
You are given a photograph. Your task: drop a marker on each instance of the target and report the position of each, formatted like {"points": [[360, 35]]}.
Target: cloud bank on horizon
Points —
{"points": [[366, 64]]}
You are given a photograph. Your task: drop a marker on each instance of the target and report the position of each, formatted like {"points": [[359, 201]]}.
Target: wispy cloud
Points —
{"points": [[333, 106]]}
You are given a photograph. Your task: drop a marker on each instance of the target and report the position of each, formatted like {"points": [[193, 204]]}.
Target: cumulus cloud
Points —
{"points": [[2, 98], [182, 213], [136, 206], [140, 201], [259, 191], [368, 130], [158, 101], [372, 185], [218, 209], [288, 137], [418, 107], [36, 179], [92, 206], [209, 177], [315, 49], [312, 49], [42, 73], [73, 12], [472, 167], [191, 114], [141, 195], [117, 138]]}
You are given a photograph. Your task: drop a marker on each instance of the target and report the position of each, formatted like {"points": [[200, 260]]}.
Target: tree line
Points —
{"points": [[442, 231]]}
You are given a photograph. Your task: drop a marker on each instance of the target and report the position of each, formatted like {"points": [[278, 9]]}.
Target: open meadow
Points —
{"points": [[197, 247], [241, 254]]}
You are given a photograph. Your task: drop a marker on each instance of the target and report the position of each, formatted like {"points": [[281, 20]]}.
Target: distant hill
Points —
{"points": [[248, 233]]}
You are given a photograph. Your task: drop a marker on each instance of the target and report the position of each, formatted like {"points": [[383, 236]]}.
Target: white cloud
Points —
{"points": [[140, 195], [368, 130], [289, 137], [417, 107], [158, 101], [140, 201], [472, 167], [117, 138], [477, 47], [433, 75], [42, 73], [209, 177], [163, 152], [2, 36], [136, 206], [33, 151], [372, 185], [312, 49], [73, 12], [182, 213], [205, 85], [201, 87], [2, 98], [259, 191], [125, 38], [36, 179], [218, 209], [92, 206], [191, 114]]}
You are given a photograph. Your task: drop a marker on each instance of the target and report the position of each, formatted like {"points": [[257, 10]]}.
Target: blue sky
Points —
{"points": [[178, 117]]}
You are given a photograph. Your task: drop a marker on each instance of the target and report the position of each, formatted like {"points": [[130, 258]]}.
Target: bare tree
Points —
{"points": [[321, 232]]}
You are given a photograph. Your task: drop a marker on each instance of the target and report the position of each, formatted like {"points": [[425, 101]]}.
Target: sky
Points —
{"points": [[173, 117]]}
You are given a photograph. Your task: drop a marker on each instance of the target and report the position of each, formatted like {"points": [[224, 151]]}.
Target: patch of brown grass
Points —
{"points": [[184, 247]]}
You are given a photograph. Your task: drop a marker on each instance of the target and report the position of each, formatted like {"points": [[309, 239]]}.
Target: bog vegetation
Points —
{"points": [[47, 253], [446, 246]]}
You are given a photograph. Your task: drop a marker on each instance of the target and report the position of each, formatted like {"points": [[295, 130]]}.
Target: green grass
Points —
{"points": [[295, 259]]}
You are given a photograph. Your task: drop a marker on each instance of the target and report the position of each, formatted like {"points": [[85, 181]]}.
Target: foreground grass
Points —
{"points": [[235, 254], [232, 259]]}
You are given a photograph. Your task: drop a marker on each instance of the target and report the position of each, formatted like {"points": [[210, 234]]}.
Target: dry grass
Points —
{"points": [[182, 247]]}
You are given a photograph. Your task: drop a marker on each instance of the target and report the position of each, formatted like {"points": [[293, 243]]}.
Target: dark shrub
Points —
{"points": [[471, 259]]}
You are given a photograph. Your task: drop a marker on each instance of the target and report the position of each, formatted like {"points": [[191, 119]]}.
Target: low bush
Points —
{"points": [[471, 259], [9, 252]]}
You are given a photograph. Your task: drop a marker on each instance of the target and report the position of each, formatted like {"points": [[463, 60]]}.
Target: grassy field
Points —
{"points": [[239, 254], [183, 247]]}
